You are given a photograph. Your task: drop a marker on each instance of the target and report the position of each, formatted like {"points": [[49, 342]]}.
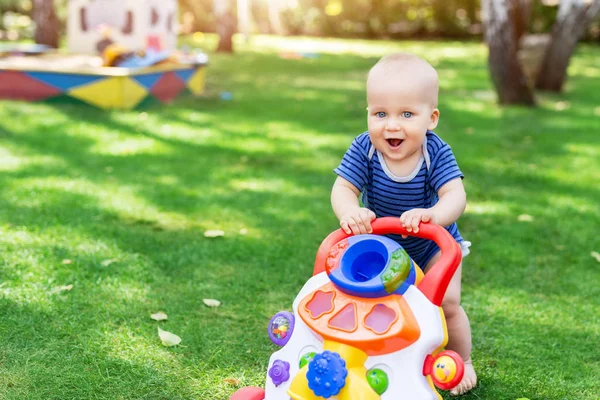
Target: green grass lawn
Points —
{"points": [[139, 189]]}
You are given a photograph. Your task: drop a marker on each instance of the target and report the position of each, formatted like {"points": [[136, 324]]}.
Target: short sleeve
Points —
{"points": [[355, 164], [444, 168]]}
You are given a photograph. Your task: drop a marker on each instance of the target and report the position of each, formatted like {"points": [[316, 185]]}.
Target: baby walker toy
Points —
{"points": [[368, 325]]}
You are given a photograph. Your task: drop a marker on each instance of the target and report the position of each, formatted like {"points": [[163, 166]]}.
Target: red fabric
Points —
{"points": [[168, 87], [20, 86]]}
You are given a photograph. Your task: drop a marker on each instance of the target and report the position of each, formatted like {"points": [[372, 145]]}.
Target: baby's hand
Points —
{"points": [[358, 221], [412, 218]]}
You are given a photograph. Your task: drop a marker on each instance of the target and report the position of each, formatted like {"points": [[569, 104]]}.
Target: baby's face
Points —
{"points": [[400, 111]]}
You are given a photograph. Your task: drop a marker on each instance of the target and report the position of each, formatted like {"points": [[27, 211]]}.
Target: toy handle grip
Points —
{"points": [[436, 280]]}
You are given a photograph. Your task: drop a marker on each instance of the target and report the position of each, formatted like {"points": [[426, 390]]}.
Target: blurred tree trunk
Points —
{"points": [[46, 22], [225, 25], [274, 11], [505, 70], [573, 19], [243, 11], [522, 15]]}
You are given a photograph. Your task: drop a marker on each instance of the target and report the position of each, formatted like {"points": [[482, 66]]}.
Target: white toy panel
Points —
{"points": [[302, 341], [404, 367]]}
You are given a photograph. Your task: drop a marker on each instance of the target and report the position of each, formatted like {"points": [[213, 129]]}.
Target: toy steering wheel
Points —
{"points": [[436, 280]]}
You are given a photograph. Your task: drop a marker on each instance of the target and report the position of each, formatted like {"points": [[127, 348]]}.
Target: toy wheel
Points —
{"points": [[249, 393]]}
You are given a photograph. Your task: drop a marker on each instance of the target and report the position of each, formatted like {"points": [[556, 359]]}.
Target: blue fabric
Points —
{"points": [[387, 196]]}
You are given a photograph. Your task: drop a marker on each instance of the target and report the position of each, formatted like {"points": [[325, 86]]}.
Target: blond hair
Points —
{"points": [[408, 63]]}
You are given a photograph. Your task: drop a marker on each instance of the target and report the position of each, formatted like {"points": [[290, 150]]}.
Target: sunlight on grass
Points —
{"points": [[9, 161], [169, 180], [333, 46], [304, 83], [123, 201], [128, 204], [586, 150], [130, 146], [474, 106], [518, 307], [120, 290], [13, 161], [563, 202], [264, 185], [37, 274], [125, 343], [483, 208]]}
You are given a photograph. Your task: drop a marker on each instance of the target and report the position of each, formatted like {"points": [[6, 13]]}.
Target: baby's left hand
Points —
{"points": [[412, 218]]}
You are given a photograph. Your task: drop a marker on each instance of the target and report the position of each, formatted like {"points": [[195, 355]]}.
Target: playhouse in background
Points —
{"points": [[134, 24], [122, 54]]}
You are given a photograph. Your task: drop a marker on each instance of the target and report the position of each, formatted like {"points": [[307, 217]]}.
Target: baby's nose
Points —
{"points": [[393, 125]]}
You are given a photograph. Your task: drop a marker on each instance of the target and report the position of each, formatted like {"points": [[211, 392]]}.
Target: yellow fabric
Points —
{"points": [[196, 82], [117, 92]]}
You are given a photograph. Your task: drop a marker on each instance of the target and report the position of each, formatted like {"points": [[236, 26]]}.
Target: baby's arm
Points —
{"points": [[450, 206], [344, 200]]}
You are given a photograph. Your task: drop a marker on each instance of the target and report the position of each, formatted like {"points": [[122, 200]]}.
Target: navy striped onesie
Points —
{"points": [[389, 195]]}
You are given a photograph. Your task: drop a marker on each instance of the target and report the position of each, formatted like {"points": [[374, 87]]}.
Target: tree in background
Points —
{"points": [[244, 18], [274, 9], [501, 37], [47, 25], [522, 14], [573, 20], [226, 25]]}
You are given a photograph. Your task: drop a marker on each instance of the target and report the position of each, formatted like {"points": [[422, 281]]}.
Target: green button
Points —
{"points": [[308, 357], [378, 380]]}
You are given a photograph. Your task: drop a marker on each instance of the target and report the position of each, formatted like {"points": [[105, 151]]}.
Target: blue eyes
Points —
{"points": [[383, 114]]}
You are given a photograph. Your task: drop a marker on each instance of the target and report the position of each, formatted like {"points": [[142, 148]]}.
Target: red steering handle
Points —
{"points": [[436, 280]]}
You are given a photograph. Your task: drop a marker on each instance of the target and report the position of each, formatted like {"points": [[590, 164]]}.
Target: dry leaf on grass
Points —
{"points": [[159, 316], [214, 233], [67, 261], [60, 289], [106, 263], [211, 302], [525, 218], [595, 255], [232, 381], [168, 339]]}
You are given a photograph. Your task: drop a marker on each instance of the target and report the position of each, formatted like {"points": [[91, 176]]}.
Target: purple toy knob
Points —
{"points": [[279, 372], [281, 327]]}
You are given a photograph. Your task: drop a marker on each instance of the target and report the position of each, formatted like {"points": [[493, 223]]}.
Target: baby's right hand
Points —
{"points": [[358, 221]]}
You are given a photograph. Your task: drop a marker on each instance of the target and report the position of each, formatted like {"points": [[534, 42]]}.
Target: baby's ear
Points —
{"points": [[433, 119]]}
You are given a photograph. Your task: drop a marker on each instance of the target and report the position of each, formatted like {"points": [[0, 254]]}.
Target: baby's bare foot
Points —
{"points": [[468, 382]]}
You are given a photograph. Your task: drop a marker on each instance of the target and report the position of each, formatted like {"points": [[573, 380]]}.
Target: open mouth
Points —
{"points": [[394, 142]]}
